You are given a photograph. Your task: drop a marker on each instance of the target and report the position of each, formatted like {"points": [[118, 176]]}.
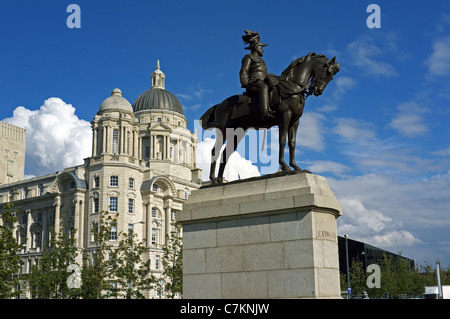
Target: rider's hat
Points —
{"points": [[252, 38]]}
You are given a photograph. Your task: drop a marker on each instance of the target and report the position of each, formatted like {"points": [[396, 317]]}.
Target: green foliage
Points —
{"points": [[48, 278], [96, 264], [133, 276], [173, 263], [398, 279], [9, 258]]}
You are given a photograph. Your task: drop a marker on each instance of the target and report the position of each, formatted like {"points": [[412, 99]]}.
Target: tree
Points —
{"points": [[173, 263], [9, 258], [48, 277], [96, 268], [358, 278], [132, 274]]}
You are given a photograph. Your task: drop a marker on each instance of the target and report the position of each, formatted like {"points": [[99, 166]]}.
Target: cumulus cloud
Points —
{"points": [[55, 137], [237, 167], [395, 215]]}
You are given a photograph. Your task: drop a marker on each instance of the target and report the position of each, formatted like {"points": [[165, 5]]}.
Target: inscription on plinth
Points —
{"points": [[263, 238]]}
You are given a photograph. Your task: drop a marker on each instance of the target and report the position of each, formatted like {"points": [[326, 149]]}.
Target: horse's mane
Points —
{"points": [[287, 74]]}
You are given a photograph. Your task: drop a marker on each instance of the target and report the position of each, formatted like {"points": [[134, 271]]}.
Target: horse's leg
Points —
{"points": [[233, 141], [292, 135], [215, 152], [283, 127]]}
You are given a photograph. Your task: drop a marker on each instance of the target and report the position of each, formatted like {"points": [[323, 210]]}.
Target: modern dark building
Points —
{"points": [[368, 254]]}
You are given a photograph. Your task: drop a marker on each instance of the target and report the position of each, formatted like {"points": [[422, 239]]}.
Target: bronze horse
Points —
{"points": [[303, 77]]}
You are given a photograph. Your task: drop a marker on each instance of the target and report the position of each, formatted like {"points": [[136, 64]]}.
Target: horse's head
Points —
{"points": [[322, 74]]}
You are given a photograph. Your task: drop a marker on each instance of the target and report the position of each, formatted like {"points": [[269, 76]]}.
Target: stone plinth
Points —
{"points": [[269, 237]]}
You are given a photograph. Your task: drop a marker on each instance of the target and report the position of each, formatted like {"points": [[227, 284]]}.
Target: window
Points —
{"points": [[114, 181], [153, 236], [131, 182], [39, 217], [186, 194], [40, 190], [130, 205], [154, 212], [95, 205], [147, 151], [113, 204], [113, 232], [159, 120], [155, 187], [96, 181], [128, 142], [157, 262], [115, 142], [130, 230]]}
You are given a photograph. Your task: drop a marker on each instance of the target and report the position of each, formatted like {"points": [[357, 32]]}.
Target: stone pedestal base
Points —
{"points": [[262, 238]]}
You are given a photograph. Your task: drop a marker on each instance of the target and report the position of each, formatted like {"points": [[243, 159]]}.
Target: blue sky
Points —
{"points": [[379, 133]]}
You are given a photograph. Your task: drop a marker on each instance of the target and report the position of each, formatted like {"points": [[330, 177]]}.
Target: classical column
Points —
{"points": [[57, 205], [152, 146], [148, 222], [76, 221], [120, 146], [94, 143], [103, 139], [29, 235], [139, 147], [194, 156], [81, 223], [135, 143], [168, 220]]}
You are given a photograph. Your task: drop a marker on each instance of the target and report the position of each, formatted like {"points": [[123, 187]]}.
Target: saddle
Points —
{"points": [[248, 103]]}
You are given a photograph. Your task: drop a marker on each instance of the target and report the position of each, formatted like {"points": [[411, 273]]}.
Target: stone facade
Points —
{"points": [[12, 153], [270, 237], [142, 166]]}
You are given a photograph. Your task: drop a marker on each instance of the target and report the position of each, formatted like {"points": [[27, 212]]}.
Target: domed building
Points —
{"points": [[143, 166]]}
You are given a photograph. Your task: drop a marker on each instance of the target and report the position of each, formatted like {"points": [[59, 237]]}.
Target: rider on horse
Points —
{"points": [[253, 75]]}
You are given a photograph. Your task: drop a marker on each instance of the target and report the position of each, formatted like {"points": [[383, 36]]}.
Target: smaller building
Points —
{"points": [[12, 153], [366, 253]]}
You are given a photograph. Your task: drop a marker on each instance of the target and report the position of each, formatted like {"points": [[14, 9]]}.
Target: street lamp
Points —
{"points": [[438, 275], [346, 258]]}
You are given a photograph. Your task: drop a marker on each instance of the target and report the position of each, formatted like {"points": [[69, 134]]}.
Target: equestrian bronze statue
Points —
{"points": [[269, 100]]}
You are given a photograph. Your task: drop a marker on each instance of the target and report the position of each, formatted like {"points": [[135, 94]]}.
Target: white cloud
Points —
{"points": [[326, 166], [343, 84], [310, 131], [364, 56], [391, 214], [409, 120], [439, 63], [55, 137], [237, 166], [353, 129]]}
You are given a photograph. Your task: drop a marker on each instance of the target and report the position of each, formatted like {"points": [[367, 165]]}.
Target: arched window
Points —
{"points": [[40, 190], [115, 142]]}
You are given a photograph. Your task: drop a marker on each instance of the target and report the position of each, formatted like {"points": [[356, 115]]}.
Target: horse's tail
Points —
{"points": [[208, 120]]}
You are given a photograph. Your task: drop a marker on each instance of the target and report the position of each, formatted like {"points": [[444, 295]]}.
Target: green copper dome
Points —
{"points": [[157, 98]]}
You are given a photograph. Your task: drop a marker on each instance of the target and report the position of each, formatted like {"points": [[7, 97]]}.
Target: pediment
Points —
{"points": [[161, 127]]}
